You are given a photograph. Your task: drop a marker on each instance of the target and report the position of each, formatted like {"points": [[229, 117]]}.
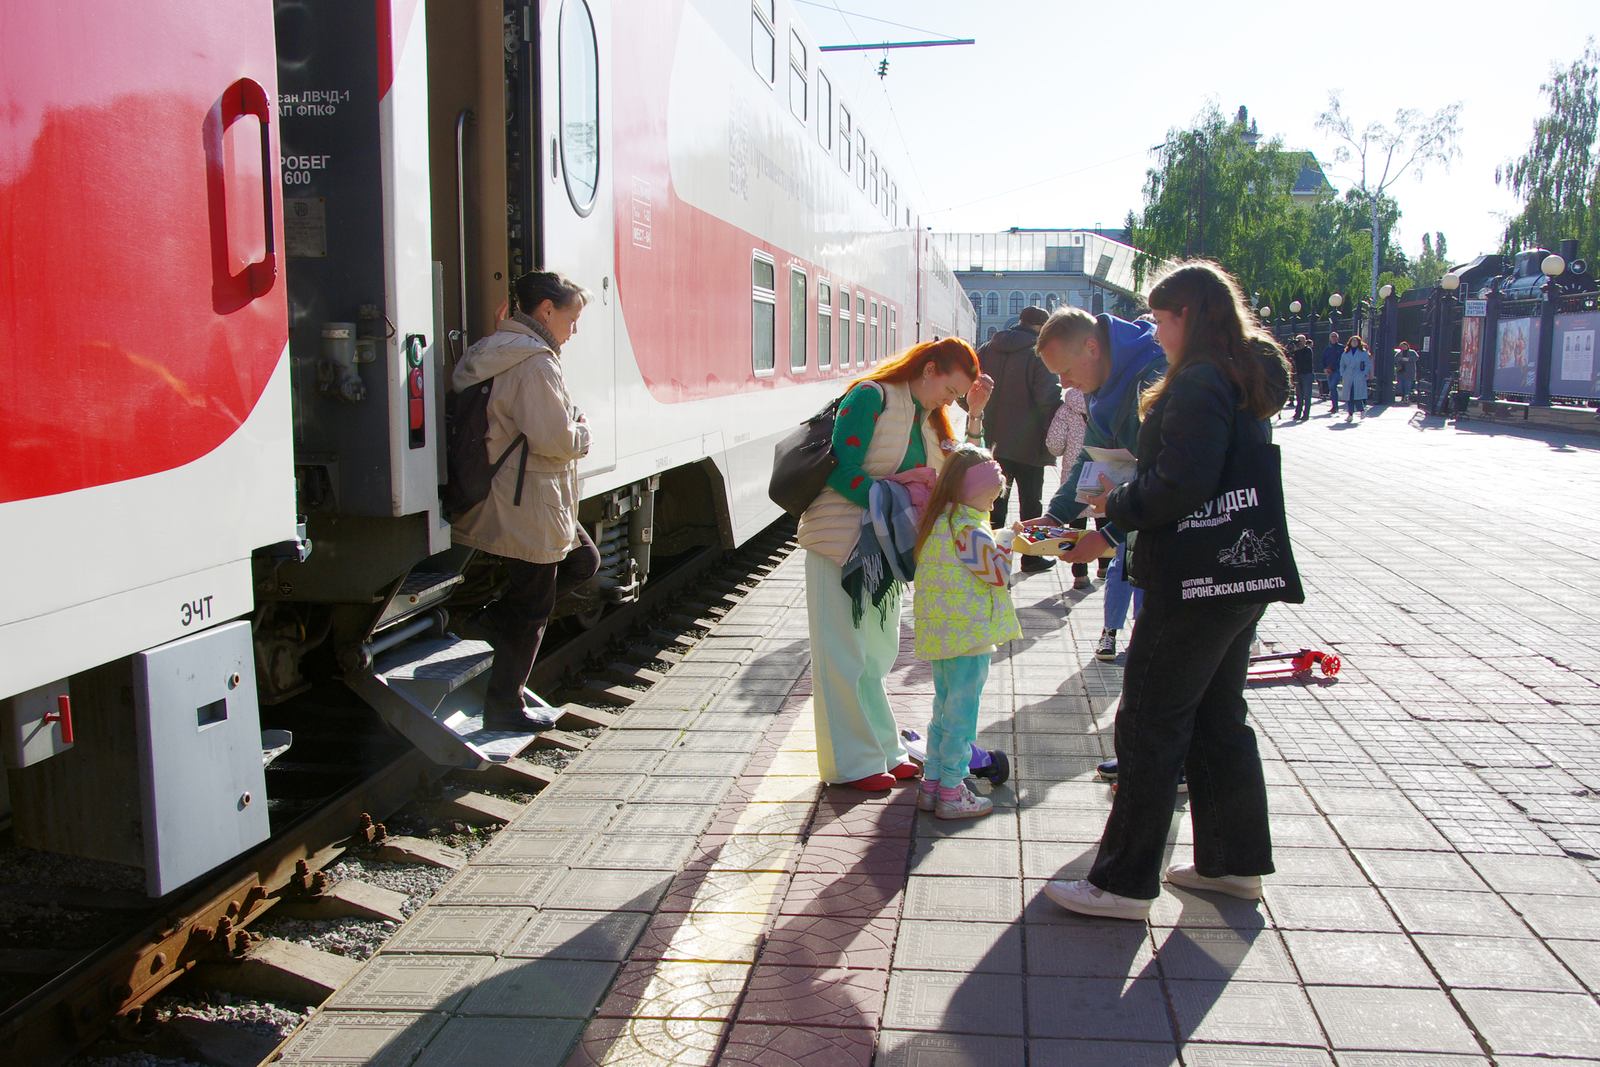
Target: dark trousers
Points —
{"points": [[518, 619], [1183, 708], [1030, 492], [1304, 386], [1333, 388]]}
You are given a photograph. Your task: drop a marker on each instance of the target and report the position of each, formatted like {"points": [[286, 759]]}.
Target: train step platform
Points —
{"points": [[687, 893]]}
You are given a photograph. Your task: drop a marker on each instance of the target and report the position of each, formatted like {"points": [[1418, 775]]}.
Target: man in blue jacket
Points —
{"points": [[1112, 361], [1330, 366]]}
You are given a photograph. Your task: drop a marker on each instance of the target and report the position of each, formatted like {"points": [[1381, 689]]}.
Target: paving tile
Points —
{"points": [[733, 741], [987, 857], [1413, 833], [904, 1048], [1330, 908], [762, 1045], [1315, 866], [1113, 1009], [711, 937], [694, 764], [620, 761], [567, 815], [1001, 824], [1331, 958], [1063, 824], [1547, 875], [686, 789], [1414, 1059], [684, 819], [842, 895], [511, 884], [574, 787], [1559, 916], [962, 899], [631, 852], [1089, 949], [804, 997], [410, 983], [669, 990], [744, 853], [781, 820], [1466, 962], [959, 946], [1534, 1024], [1302, 831], [531, 1042], [1583, 957], [1432, 911], [1419, 870], [1244, 1013], [1057, 1052], [1196, 1054], [864, 818], [955, 1003], [748, 892], [656, 719], [1179, 907], [769, 790], [534, 849], [356, 1039], [1220, 954], [462, 931], [1391, 1020], [649, 1043], [608, 890], [558, 989], [830, 941], [579, 935], [1056, 859], [854, 855]]}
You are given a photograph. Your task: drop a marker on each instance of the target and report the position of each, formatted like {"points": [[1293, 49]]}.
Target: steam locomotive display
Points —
{"points": [[241, 244]]}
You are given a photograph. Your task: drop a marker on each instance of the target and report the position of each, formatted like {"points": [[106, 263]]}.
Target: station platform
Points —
{"points": [[687, 893]]}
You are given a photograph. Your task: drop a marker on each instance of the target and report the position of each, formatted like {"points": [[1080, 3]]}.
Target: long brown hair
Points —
{"points": [[1219, 329], [946, 354], [947, 490]]}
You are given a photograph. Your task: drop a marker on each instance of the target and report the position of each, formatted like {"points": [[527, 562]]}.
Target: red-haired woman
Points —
{"points": [[892, 419]]}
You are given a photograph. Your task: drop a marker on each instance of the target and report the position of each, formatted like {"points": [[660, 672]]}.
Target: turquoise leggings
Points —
{"points": [[957, 688]]}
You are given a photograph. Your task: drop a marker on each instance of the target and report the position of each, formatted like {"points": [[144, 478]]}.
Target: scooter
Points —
{"points": [[991, 765], [1296, 665]]}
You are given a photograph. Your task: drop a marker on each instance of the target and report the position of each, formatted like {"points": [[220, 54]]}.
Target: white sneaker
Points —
{"points": [[966, 805], [1086, 898], [1243, 886], [927, 799]]}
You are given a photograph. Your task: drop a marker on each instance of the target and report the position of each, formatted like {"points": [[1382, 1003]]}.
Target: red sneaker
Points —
{"points": [[872, 783], [905, 771]]}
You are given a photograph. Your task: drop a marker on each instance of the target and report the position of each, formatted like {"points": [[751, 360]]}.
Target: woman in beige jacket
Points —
{"points": [[893, 419], [544, 550]]}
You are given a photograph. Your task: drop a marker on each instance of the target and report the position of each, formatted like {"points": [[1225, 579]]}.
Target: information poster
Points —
{"points": [[1471, 353], [1575, 373], [1516, 355]]}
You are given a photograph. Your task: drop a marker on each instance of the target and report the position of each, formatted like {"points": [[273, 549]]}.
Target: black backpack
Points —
{"points": [[469, 470]]}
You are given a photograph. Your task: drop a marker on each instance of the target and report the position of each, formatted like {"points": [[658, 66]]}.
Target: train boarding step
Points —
{"points": [[431, 691], [420, 591]]}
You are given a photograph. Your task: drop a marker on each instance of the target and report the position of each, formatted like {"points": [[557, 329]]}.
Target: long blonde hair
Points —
{"points": [[947, 490], [1219, 329]]}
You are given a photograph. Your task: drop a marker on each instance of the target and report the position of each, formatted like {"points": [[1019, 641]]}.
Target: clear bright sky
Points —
{"points": [[1048, 120]]}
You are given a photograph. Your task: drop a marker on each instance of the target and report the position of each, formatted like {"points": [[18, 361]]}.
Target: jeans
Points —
{"points": [[518, 619], [1304, 386], [957, 687], [1333, 388], [1183, 708], [1407, 384], [1030, 491], [1119, 593]]}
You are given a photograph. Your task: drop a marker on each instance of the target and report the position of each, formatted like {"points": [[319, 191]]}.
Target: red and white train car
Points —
{"points": [[241, 243]]}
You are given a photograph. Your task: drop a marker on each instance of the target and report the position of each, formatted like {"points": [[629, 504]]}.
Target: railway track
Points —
{"points": [[109, 988]]}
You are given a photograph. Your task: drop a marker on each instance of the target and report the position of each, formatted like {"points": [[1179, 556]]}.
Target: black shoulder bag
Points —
{"points": [[802, 461]]}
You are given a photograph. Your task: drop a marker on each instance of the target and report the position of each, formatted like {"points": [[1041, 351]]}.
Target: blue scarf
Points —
{"points": [[885, 553]]}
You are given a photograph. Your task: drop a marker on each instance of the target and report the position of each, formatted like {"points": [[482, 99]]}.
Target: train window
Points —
{"points": [[844, 138], [994, 303], [894, 201], [797, 320], [824, 111], [894, 332], [875, 175], [763, 313], [861, 329], [824, 325], [875, 329], [580, 105], [1016, 303], [844, 327], [763, 40], [798, 80], [861, 159]]}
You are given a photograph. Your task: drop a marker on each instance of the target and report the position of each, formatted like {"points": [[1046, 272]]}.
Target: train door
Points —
{"points": [[576, 218]]}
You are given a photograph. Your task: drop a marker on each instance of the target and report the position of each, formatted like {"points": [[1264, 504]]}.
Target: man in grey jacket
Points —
{"points": [[1026, 395]]}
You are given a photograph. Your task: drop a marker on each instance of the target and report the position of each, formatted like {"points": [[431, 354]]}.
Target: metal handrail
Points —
{"points": [[462, 119]]}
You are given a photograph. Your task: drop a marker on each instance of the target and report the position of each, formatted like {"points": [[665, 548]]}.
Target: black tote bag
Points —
{"points": [[802, 461], [1235, 548]]}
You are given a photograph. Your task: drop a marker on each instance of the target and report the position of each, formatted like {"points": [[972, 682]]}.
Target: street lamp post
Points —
{"points": [[1552, 267], [1444, 295], [1383, 353], [1294, 316]]}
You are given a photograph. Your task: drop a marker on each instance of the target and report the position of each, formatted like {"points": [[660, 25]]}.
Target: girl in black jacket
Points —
{"points": [[1183, 706]]}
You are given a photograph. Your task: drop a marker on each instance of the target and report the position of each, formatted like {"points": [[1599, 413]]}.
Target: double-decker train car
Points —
{"points": [[242, 243]]}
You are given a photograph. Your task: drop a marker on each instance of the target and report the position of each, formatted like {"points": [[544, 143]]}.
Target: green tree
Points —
{"points": [[1429, 267], [1216, 192], [1558, 177], [1383, 155]]}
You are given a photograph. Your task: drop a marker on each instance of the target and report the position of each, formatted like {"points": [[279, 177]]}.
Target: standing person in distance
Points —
{"points": [[893, 419], [1026, 396], [530, 517], [1305, 376], [1354, 366], [1405, 362], [1113, 362], [1183, 706], [1065, 439], [1330, 366], [963, 612]]}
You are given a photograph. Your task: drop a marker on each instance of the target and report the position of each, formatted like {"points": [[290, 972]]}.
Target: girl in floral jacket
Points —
{"points": [[962, 610]]}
